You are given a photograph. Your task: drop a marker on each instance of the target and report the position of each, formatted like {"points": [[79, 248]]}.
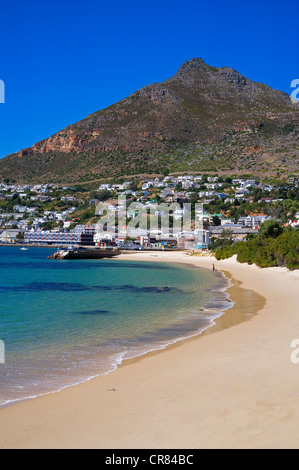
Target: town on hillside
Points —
{"points": [[234, 207]]}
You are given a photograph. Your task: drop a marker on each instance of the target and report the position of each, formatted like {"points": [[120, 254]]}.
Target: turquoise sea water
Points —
{"points": [[65, 321]]}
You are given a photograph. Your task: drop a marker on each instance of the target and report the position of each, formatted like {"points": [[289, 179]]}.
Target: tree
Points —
{"points": [[104, 195], [269, 228], [134, 185], [20, 236], [216, 220], [48, 225]]}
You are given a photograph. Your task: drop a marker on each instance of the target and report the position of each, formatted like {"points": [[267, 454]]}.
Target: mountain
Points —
{"points": [[202, 119]]}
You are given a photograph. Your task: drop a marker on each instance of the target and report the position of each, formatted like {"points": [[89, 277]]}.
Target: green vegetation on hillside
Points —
{"points": [[272, 246]]}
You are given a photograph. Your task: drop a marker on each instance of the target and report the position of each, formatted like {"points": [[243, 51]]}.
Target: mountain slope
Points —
{"points": [[201, 119]]}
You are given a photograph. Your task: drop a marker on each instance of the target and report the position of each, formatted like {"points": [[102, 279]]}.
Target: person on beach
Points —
{"points": [[213, 267]]}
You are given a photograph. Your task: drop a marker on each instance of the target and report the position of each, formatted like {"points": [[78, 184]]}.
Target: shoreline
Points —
{"points": [[156, 348], [223, 390]]}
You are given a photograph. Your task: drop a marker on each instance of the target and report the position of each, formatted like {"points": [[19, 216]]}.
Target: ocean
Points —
{"points": [[64, 322]]}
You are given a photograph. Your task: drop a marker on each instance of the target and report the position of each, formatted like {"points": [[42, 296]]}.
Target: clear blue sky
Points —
{"points": [[62, 60]]}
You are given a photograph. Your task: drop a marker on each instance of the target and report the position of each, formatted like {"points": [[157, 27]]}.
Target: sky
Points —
{"points": [[63, 60]]}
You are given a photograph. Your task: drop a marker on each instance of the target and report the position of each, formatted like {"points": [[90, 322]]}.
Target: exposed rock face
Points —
{"points": [[200, 105]]}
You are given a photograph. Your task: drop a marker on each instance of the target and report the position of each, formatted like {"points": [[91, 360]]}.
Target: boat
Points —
{"points": [[86, 253], [23, 248]]}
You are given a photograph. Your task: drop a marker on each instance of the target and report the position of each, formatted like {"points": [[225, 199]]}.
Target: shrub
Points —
{"points": [[273, 247]]}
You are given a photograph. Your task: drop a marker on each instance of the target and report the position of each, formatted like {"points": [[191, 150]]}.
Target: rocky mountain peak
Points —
{"points": [[196, 63], [201, 118]]}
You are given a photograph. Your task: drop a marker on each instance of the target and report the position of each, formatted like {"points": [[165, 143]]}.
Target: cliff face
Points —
{"points": [[200, 114]]}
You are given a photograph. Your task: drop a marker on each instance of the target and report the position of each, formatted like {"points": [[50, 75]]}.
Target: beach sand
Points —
{"points": [[233, 386]]}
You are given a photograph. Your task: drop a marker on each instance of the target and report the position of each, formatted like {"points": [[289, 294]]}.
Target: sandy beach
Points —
{"points": [[233, 386]]}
